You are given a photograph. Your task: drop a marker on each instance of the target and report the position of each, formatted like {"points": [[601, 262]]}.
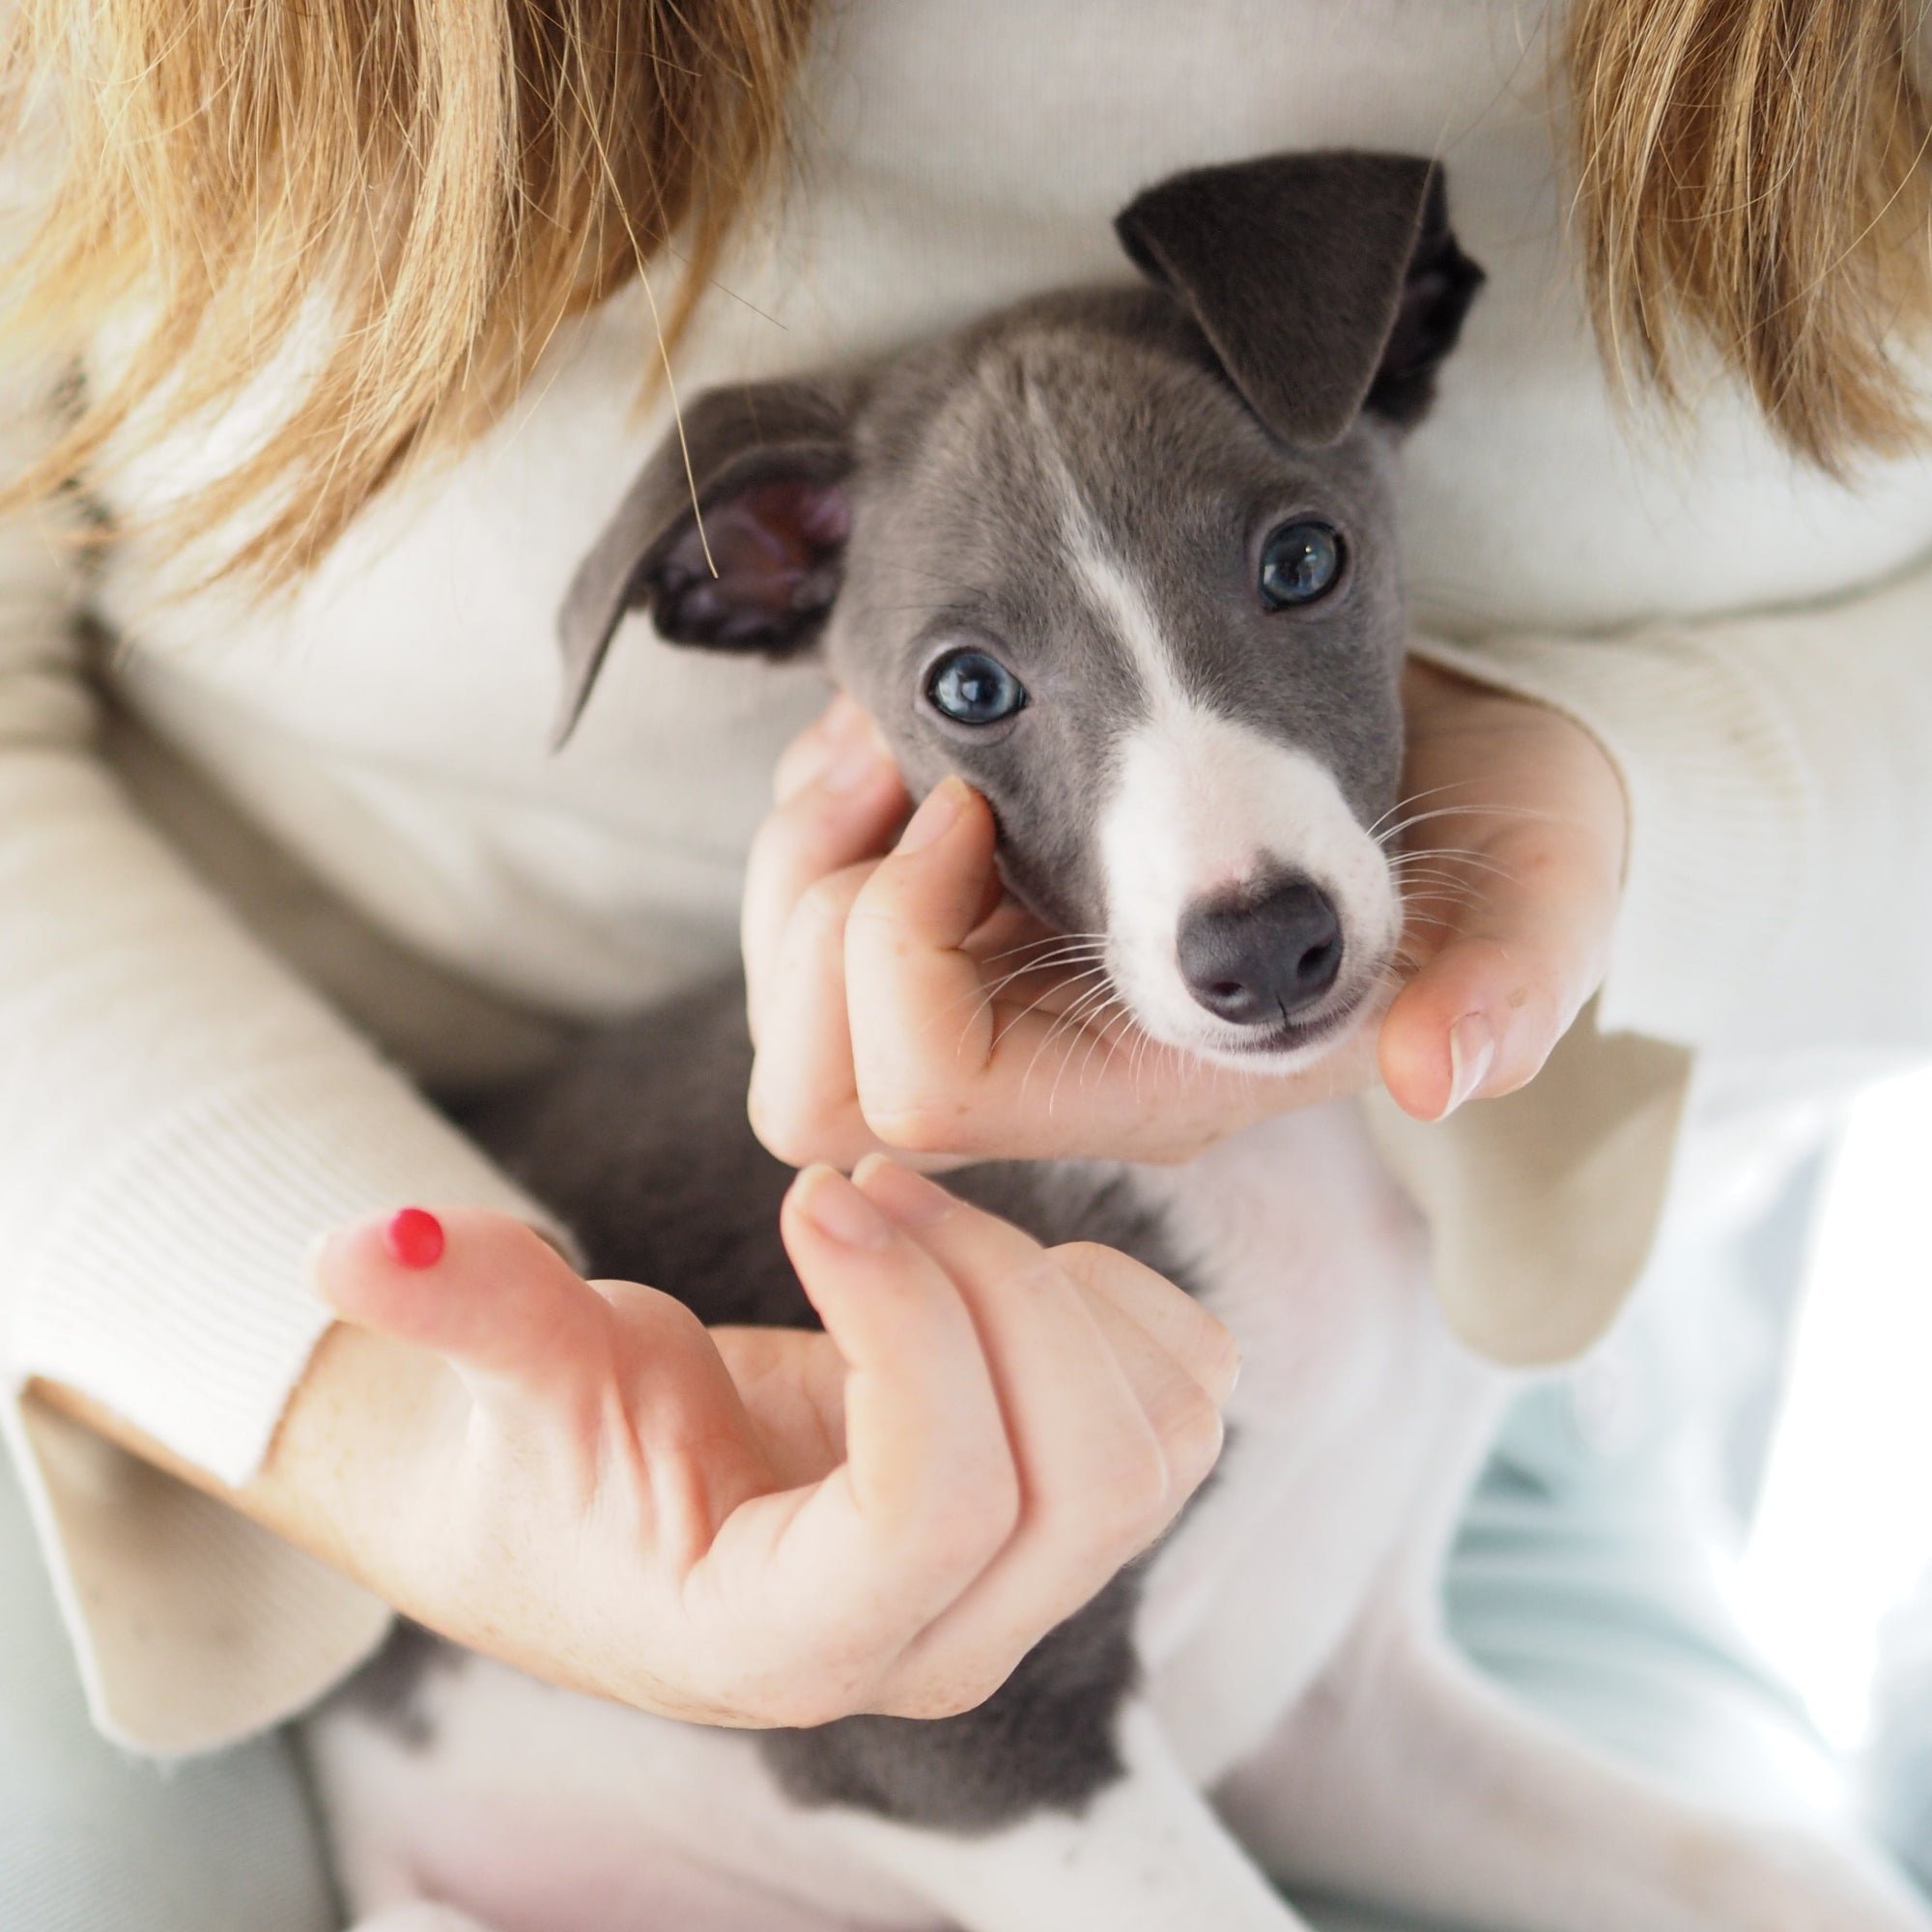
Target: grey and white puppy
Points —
{"points": [[1126, 559]]}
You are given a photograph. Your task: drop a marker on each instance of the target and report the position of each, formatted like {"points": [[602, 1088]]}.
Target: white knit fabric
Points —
{"points": [[180, 1115]]}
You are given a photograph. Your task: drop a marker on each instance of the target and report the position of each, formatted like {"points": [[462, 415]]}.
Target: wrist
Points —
{"points": [[350, 1465], [353, 1472]]}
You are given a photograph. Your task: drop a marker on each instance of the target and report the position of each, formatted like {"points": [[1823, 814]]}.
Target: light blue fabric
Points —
{"points": [[1898, 1775], [1582, 1583], [92, 1840], [1592, 1569], [1589, 1573]]}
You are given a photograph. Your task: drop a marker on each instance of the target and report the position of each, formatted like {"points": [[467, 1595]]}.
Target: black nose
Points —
{"points": [[1256, 962]]}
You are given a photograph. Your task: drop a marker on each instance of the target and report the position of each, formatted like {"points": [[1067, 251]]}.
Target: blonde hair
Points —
{"points": [[1753, 172], [454, 178]]}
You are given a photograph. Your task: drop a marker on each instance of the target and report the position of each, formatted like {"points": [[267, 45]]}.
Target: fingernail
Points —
{"points": [[413, 1238], [908, 1198], [840, 1212], [1472, 1052], [934, 818]]}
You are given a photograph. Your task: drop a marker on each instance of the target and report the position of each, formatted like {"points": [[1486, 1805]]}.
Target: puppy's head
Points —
{"points": [[1126, 561]]}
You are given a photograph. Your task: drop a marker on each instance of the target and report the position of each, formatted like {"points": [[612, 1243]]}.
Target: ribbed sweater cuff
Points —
{"points": [[172, 1284], [1724, 841]]}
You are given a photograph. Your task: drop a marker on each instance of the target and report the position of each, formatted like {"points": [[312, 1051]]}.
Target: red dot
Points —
{"points": [[413, 1238]]}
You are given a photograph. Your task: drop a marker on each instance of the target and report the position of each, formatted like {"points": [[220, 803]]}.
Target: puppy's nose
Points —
{"points": [[1256, 962]]}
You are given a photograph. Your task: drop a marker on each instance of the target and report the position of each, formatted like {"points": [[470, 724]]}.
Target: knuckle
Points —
{"points": [[993, 1518], [1214, 1358], [879, 906], [1126, 1507], [922, 1122], [962, 1539], [1087, 1262], [1194, 1436], [950, 1699], [798, 1714], [662, 1321], [831, 1681], [793, 1133], [824, 907], [805, 1710]]}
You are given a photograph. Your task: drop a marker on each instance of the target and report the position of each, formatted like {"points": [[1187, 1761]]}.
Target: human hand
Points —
{"points": [[1511, 866], [898, 1003], [756, 1527], [886, 1015]]}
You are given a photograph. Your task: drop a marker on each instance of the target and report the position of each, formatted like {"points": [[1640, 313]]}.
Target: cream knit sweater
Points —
{"points": [[181, 1111]]}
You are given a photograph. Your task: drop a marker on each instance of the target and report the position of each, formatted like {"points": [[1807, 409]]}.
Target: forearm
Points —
{"points": [[348, 1467], [179, 1119]]}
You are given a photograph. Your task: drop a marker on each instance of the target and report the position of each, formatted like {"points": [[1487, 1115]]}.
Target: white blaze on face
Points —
{"points": [[1201, 806]]}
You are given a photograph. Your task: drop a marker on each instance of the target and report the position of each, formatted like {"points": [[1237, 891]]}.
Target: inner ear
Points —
{"points": [[756, 571], [732, 535], [1437, 287]]}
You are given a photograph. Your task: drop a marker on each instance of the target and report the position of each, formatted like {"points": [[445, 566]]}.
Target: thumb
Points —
{"points": [[482, 1289], [1485, 1011]]}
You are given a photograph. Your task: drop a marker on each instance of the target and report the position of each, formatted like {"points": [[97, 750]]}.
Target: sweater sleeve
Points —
{"points": [[1777, 900], [179, 1119], [1778, 894]]}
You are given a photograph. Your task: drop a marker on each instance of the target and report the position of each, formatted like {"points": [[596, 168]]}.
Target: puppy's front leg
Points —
{"points": [[1146, 1854], [1407, 1779]]}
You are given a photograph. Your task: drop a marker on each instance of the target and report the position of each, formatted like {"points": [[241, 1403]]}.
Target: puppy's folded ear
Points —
{"points": [[734, 535], [1325, 283]]}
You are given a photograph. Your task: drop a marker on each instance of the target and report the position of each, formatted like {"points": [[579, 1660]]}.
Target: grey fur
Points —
{"points": [[886, 516]]}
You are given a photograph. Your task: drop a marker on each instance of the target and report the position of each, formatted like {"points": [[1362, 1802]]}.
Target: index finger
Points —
{"points": [[945, 1063], [839, 816], [928, 1491]]}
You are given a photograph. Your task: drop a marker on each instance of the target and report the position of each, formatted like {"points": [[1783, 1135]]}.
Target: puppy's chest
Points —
{"points": [[1299, 1241]]}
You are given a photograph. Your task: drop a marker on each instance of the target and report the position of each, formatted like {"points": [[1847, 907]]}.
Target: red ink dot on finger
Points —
{"points": [[413, 1238]]}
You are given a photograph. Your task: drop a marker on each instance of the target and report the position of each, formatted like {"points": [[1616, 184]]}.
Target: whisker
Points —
{"points": [[1057, 967], [1105, 1034], [1417, 798], [1434, 875], [1388, 832], [1061, 1023], [1049, 939], [1092, 1009], [1461, 855], [989, 995], [1033, 1006]]}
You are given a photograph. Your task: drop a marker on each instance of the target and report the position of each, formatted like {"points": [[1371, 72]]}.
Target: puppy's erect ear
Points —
{"points": [[1325, 283], [734, 534]]}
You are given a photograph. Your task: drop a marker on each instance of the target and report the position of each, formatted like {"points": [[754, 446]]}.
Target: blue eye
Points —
{"points": [[974, 688], [1299, 563]]}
